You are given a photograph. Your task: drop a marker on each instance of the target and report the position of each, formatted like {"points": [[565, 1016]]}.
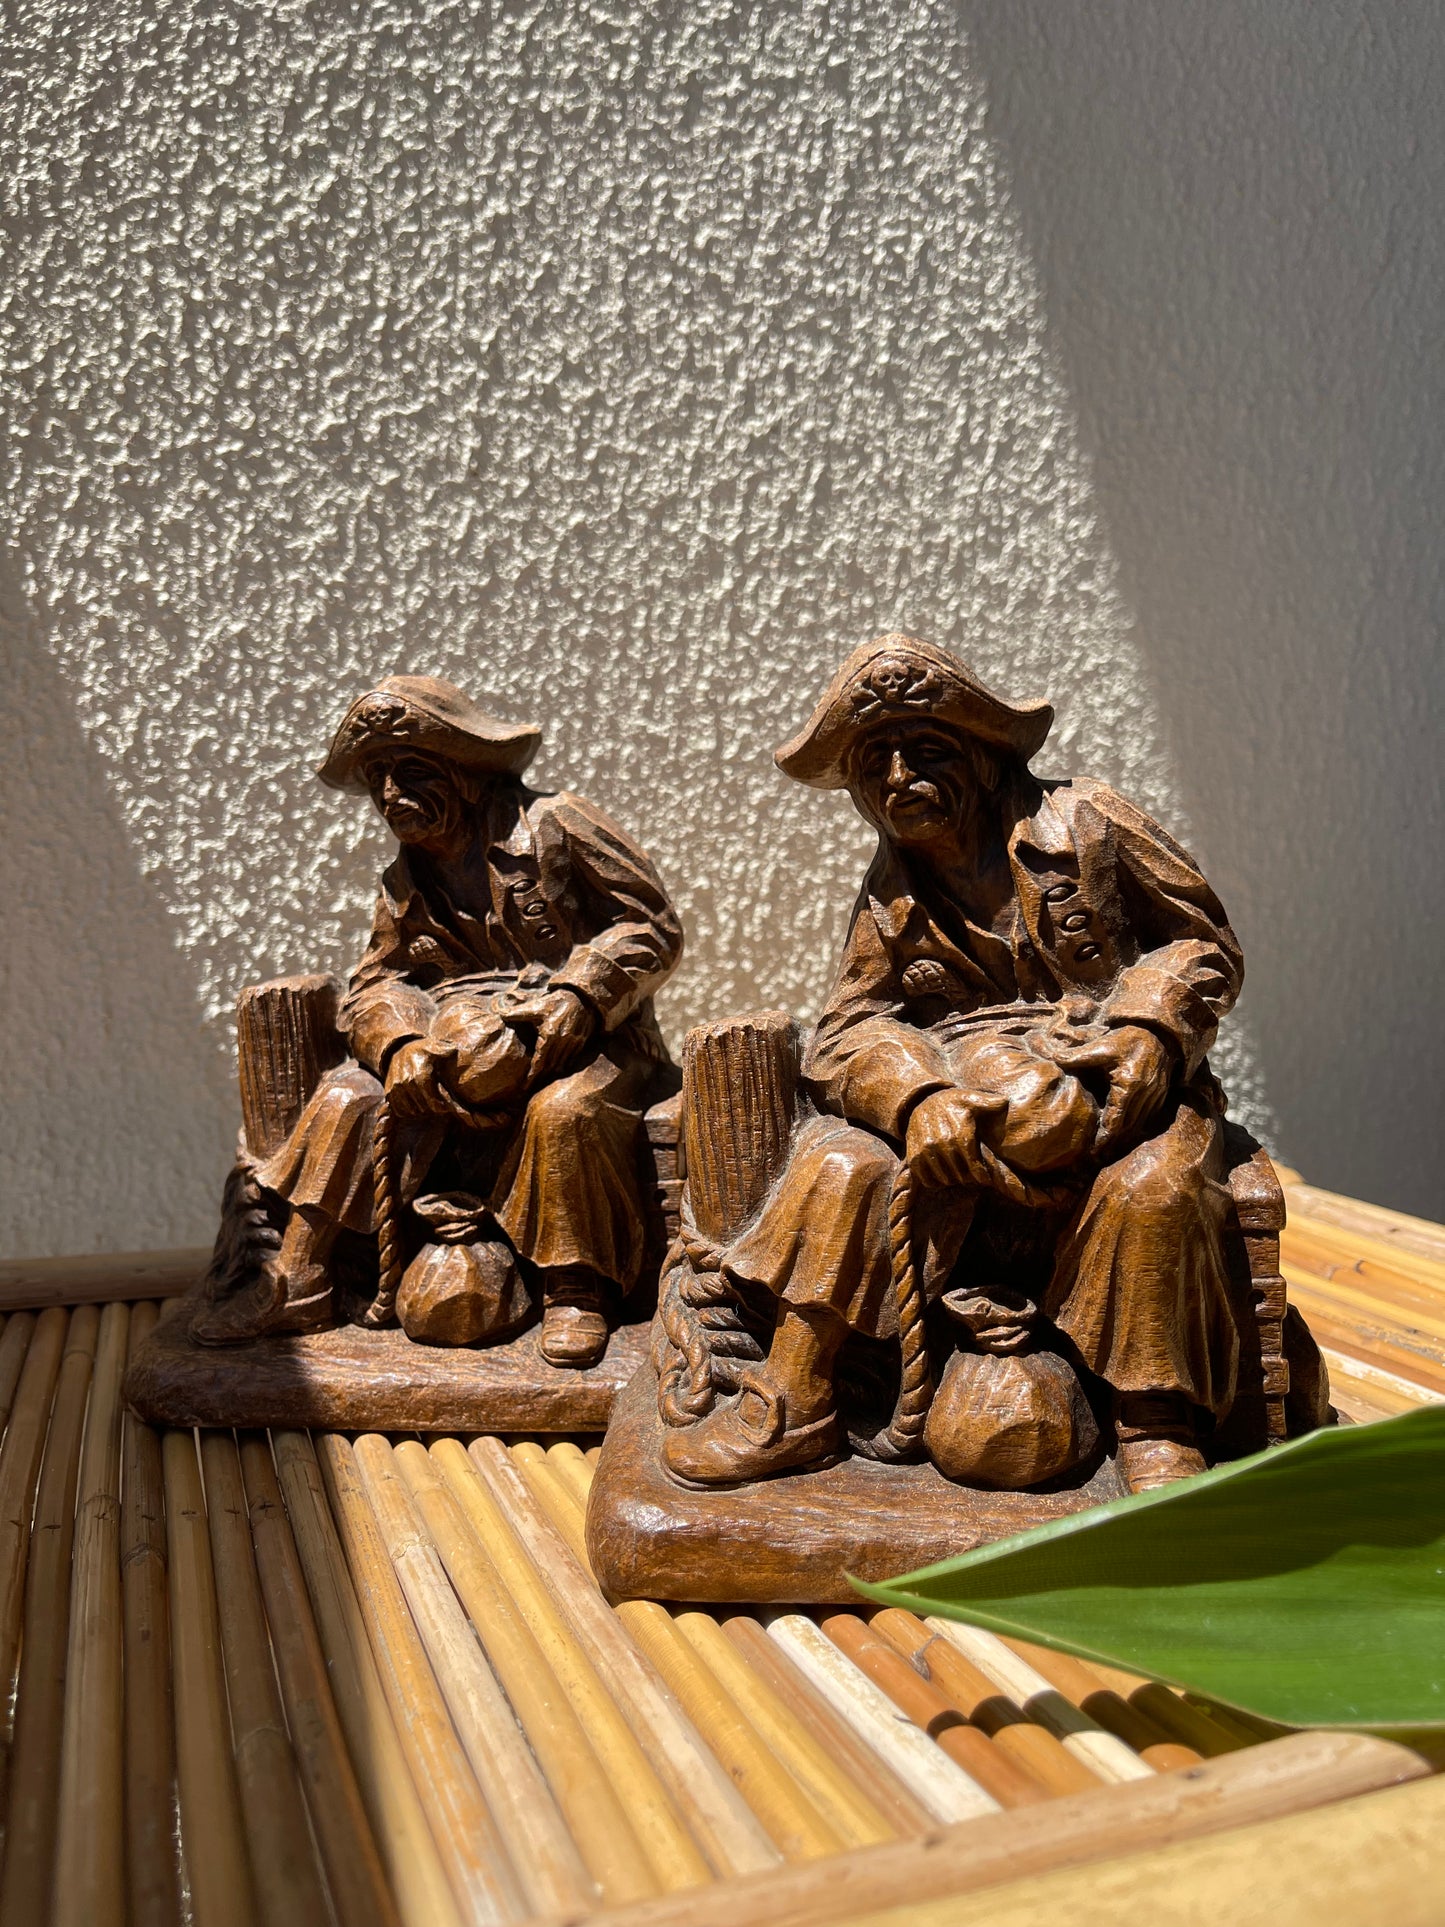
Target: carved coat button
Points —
{"points": [[1086, 952], [1077, 920], [1057, 892]]}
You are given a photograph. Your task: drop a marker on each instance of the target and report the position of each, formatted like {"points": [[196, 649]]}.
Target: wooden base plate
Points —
{"points": [[353, 1380], [790, 1540]]}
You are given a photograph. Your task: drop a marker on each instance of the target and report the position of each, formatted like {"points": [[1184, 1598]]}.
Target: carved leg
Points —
{"points": [[290, 1293], [1157, 1440], [574, 1315], [782, 1419]]}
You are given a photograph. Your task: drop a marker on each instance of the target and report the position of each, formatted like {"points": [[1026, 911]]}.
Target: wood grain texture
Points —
{"points": [[354, 1380], [285, 1039], [788, 1540], [744, 1069]]}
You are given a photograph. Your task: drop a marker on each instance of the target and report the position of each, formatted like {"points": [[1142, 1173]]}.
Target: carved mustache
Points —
{"points": [[917, 790]]}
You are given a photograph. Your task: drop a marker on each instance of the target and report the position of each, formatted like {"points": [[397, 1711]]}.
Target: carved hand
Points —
{"points": [[564, 1026], [413, 1088], [942, 1143], [1139, 1067]]}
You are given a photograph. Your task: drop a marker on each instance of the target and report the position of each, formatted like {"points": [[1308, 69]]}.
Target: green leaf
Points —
{"points": [[1305, 1584]]}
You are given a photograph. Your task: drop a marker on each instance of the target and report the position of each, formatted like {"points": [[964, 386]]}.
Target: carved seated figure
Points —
{"points": [[1009, 1169], [483, 1138]]}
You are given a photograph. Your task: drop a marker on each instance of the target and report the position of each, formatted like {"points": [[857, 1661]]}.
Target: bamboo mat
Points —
{"points": [[292, 1679]]}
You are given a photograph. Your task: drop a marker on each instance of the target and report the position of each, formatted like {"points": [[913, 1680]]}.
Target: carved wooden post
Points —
{"points": [[739, 1097], [286, 1039]]}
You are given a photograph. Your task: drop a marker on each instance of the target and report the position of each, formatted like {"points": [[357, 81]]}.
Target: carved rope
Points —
{"points": [[382, 1309]]}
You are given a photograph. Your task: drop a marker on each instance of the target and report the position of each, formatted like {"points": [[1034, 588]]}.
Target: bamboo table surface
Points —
{"points": [[295, 1678]]}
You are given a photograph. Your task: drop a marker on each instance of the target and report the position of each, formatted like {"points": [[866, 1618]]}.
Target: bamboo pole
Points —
{"points": [[675, 1859], [792, 1819], [1400, 1233], [1306, 1771], [549, 1872], [100, 1278], [1393, 1287], [948, 1792], [789, 1817], [1105, 1753], [920, 1701], [1117, 1712], [1038, 1751], [403, 1833], [718, 1817], [472, 1851], [907, 1816], [19, 1469], [1415, 1309], [152, 1882], [1352, 1246], [289, 1891], [572, 1468], [90, 1830], [1372, 1341], [592, 1807], [842, 1801], [212, 1835], [1189, 1726], [40, 1696], [556, 1499], [349, 1855], [1384, 1393], [1248, 1726], [14, 1342], [845, 1801]]}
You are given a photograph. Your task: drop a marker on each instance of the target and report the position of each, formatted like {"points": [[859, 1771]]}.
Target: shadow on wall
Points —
{"points": [[119, 1111], [1233, 215]]}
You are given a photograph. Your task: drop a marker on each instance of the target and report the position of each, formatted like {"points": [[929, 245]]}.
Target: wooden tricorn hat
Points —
{"points": [[422, 712], [897, 678]]}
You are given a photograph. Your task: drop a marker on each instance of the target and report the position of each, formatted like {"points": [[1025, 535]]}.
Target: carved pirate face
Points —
{"points": [[914, 780], [416, 793]]}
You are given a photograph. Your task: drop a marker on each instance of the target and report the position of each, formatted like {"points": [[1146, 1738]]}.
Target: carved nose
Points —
{"points": [[899, 774]]}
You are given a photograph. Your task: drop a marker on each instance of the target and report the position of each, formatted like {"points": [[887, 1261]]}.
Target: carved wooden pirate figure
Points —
{"points": [[503, 1011], [1032, 977]]}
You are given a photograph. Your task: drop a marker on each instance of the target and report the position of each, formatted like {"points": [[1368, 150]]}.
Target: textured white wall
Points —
{"points": [[626, 369]]}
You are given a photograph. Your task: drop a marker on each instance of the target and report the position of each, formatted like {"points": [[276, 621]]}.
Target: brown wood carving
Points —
{"points": [[476, 1138], [989, 1232]]}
